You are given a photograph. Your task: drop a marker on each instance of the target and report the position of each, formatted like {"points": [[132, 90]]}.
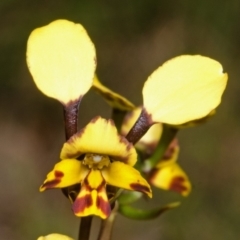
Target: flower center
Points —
{"points": [[96, 161]]}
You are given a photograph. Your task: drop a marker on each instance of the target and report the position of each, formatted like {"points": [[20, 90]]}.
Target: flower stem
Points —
{"points": [[140, 127], [107, 225], [85, 228], [169, 133]]}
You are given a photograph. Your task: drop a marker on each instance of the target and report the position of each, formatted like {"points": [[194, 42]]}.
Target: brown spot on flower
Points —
{"points": [[170, 150], [177, 184], [102, 185], [139, 187], [104, 206], [81, 203], [108, 96], [51, 184], [152, 173], [95, 119], [111, 122], [58, 174]]}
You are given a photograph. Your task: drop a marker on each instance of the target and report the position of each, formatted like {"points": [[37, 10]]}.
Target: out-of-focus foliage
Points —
{"points": [[132, 39]]}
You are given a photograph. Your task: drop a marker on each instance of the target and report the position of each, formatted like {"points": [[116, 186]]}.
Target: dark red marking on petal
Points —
{"points": [[153, 173], [58, 174], [177, 184], [111, 122], [139, 187], [101, 185], [104, 206], [87, 184], [81, 203], [51, 184], [95, 119], [170, 150]]}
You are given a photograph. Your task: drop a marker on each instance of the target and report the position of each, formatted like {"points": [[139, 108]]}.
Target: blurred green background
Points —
{"points": [[132, 39]]}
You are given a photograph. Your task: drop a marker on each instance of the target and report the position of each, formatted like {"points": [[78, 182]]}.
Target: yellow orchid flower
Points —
{"points": [[62, 60], [95, 157], [55, 236], [168, 175], [184, 89]]}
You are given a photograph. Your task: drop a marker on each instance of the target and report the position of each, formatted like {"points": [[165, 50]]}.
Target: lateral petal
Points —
{"points": [[100, 137], [124, 176], [65, 173], [183, 89], [61, 59]]}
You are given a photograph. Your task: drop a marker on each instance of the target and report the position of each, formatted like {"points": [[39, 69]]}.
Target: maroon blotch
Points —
{"points": [[81, 203], [104, 206], [177, 184], [139, 187]]}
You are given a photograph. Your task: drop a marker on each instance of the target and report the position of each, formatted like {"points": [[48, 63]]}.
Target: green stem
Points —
{"points": [[107, 225], [168, 135]]}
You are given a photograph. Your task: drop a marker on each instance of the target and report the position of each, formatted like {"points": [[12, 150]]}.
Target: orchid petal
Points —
{"points": [[124, 176], [184, 89], [55, 236], [113, 99], [171, 177], [92, 199], [100, 136], [65, 173], [61, 59]]}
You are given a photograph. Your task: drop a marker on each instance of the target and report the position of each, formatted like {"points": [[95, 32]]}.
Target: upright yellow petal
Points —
{"points": [[55, 236], [100, 137], [65, 173], [61, 58], [183, 89], [113, 99], [124, 176]]}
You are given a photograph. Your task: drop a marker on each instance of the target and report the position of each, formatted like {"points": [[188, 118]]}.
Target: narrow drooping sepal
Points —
{"points": [[65, 173], [143, 214], [92, 199], [115, 100], [124, 176], [184, 89], [100, 136], [62, 60]]}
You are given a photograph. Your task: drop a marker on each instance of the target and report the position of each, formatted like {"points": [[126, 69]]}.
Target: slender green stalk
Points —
{"points": [[107, 225], [168, 135]]}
